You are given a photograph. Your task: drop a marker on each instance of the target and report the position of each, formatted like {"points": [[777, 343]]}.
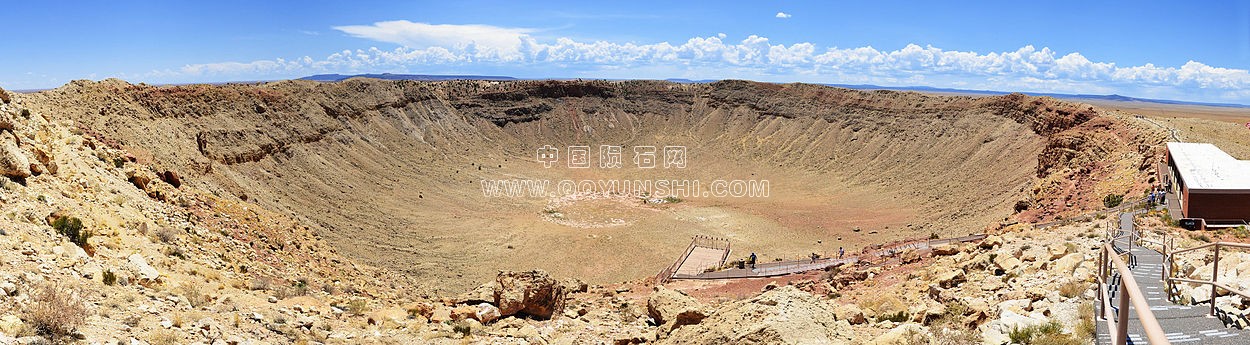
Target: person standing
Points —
{"points": [[841, 252], [752, 260]]}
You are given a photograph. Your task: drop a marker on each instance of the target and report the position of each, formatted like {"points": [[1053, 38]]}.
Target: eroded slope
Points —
{"points": [[390, 171]]}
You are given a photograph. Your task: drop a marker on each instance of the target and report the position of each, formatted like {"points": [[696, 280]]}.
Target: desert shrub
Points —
{"points": [[894, 317], [110, 278], [672, 199], [358, 306], [26, 113], [1112, 200], [1240, 232], [949, 328], [1072, 289], [1036, 334], [71, 227], [933, 236], [260, 283], [55, 311], [461, 327], [119, 162], [1203, 238], [166, 235], [1166, 218], [194, 294], [1086, 327], [177, 252], [164, 337]]}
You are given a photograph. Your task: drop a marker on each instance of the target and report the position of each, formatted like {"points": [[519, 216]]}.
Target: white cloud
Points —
{"points": [[783, 15], [485, 40], [467, 48]]}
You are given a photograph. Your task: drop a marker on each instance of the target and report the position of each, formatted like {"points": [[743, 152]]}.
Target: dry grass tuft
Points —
{"points": [[56, 311]]}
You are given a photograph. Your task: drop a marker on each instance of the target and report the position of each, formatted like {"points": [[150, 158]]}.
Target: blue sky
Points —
{"points": [[1195, 51]]}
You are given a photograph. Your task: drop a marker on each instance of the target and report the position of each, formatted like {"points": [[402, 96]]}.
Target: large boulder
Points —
{"points": [[1007, 262], [532, 293], [998, 331], [139, 266], [950, 278], [991, 242], [907, 333], [1057, 251], [1035, 254], [947, 249], [672, 309], [12, 162], [851, 313], [1068, 263], [785, 315]]}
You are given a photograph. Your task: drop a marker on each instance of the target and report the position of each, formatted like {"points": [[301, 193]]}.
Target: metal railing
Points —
{"points": [[666, 275], [1129, 292], [1169, 271]]}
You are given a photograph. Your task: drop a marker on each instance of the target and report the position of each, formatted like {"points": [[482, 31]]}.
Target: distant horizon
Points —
{"points": [[1191, 51], [916, 88]]}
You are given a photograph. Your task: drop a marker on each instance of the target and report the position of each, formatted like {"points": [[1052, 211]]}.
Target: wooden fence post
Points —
{"points": [[1215, 274]]}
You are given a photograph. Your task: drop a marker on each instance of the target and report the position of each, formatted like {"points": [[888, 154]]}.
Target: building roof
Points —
{"points": [[1205, 167]]}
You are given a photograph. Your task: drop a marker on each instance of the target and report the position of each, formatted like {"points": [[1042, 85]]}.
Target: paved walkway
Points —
{"points": [[1181, 323], [778, 268]]}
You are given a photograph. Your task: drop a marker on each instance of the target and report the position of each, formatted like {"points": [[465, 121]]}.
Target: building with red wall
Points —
{"points": [[1209, 183]]}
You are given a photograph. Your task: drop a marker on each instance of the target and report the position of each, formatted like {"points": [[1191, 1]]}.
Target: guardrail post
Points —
{"points": [[1121, 326], [1102, 279], [1215, 274]]}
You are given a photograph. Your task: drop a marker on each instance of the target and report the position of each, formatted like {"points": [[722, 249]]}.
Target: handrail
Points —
{"points": [[667, 274], [1195, 248], [1169, 260], [1217, 284], [1129, 293]]}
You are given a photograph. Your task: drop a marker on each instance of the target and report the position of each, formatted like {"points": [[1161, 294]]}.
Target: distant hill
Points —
{"points": [[688, 81], [1078, 97], [388, 76]]}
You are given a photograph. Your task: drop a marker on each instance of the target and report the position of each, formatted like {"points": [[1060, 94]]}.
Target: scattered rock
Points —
{"points": [[171, 178], [991, 241], [1057, 251], [13, 163], [785, 315], [1068, 263], [908, 333], [139, 266], [672, 309], [950, 278], [1007, 263], [10, 324], [851, 313], [486, 313], [945, 250], [532, 293]]}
